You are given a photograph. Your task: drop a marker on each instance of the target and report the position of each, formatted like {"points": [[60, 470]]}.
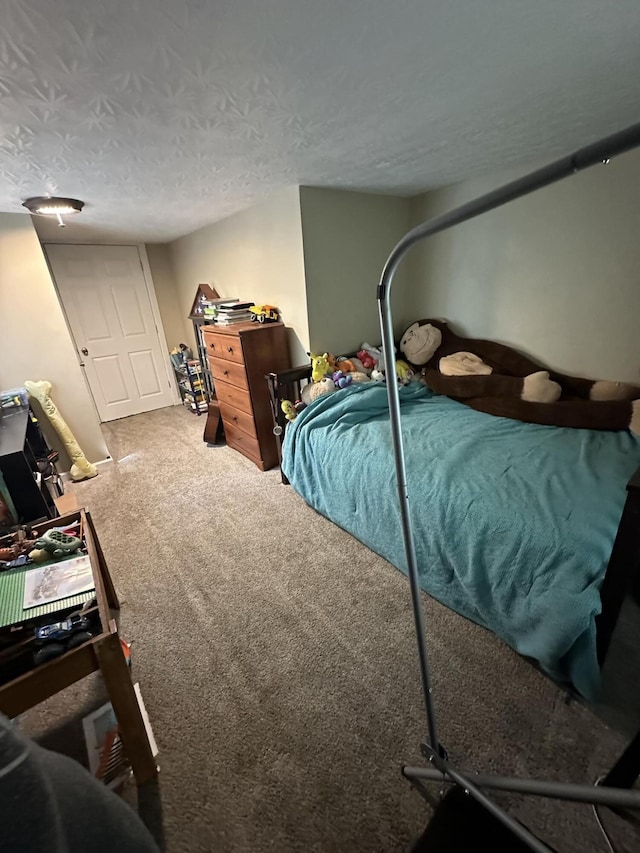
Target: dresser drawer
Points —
{"points": [[223, 346], [236, 417], [234, 396], [227, 371], [239, 440]]}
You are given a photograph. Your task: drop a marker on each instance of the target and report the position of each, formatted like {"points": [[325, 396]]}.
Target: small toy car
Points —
{"points": [[59, 637], [16, 563], [264, 313]]}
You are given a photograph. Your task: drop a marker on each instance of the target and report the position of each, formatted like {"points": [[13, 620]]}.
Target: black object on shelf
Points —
{"points": [[27, 465]]}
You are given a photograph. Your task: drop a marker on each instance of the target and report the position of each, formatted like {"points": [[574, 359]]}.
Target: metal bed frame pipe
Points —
{"points": [[593, 794], [599, 152]]}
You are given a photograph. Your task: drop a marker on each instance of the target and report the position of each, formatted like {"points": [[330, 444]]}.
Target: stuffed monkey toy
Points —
{"points": [[496, 379]]}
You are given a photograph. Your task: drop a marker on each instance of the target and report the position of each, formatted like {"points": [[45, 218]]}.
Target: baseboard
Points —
{"points": [[101, 463]]}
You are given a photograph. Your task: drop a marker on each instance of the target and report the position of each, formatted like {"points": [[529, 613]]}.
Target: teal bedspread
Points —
{"points": [[514, 523]]}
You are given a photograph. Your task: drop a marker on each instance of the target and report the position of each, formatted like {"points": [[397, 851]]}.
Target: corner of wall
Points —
{"points": [[166, 290], [347, 237], [256, 253], [26, 286]]}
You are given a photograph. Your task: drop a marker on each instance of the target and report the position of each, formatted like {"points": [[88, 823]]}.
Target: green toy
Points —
{"points": [[58, 544]]}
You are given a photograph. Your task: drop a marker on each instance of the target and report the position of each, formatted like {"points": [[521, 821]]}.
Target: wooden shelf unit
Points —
{"points": [[102, 652]]}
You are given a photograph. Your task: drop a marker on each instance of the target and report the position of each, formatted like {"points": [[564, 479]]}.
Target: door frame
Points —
{"points": [[157, 319], [153, 301]]}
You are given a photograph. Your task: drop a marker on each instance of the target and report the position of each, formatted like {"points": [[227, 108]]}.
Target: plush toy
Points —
{"points": [[499, 380], [372, 360], [350, 365], [321, 365], [313, 390], [340, 379], [345, 365], [81, 468], [359, 377], [366, 359], [289, 410], [404, 373], [374, 353]]}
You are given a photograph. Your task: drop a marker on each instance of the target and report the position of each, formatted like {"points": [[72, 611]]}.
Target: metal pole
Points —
{"points": [[598, 794], [598, 152], [386, 324], [472, 790]]}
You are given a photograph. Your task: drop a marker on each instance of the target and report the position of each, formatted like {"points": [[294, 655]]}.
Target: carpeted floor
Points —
{"points": [[277, 662]]}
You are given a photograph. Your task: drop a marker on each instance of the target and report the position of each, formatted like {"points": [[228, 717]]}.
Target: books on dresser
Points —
{"points": [[241, 317], [236, 313], [236, 306]]}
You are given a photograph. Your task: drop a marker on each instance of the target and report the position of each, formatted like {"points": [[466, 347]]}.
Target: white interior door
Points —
{"points": [[105, 298]]}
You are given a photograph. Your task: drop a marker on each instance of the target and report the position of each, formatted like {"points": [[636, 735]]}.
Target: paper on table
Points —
{"points": [[57, 580]]}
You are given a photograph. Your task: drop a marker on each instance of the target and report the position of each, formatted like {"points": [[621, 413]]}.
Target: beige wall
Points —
{"points": [[166, 293], [34, 339], [347, 238], [254, 254], [556, 274]]}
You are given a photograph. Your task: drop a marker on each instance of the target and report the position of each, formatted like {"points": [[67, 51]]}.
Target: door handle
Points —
{"points": [[84, 351]]}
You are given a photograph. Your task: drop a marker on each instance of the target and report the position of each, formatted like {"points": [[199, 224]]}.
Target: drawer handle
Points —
{"points": [[213, 346], [226, 372], [229, 349], [235, 417]]}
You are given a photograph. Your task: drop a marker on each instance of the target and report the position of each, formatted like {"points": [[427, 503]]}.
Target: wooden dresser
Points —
{"points": [[239, 357]]}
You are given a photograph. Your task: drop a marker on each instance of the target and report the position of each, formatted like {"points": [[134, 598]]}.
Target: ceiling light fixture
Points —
{"points": [[44, 205]]}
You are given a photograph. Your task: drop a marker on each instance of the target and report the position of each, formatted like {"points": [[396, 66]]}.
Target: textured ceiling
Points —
{"points": [[166, 116]]}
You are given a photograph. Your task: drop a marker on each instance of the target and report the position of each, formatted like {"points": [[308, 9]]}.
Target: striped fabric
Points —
{"points": [[12, 597]]}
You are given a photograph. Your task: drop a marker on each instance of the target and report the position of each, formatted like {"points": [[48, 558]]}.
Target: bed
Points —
{"points": [[518, 527]]}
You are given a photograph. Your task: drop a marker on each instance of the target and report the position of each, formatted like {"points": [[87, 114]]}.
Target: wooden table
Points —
{"points": [[102, 652]]}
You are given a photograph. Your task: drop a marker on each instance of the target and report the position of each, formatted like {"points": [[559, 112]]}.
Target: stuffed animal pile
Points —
{"points": [[329, 374], [497, 379]]}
